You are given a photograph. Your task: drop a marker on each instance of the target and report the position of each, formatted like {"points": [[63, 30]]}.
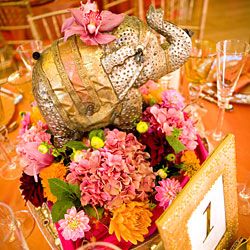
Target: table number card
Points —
{"points": [[207, 223], [204, 216]]}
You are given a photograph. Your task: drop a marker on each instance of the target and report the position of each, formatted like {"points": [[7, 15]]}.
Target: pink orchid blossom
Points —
{"points": [[89, 23], [29, 141], [74, 225], [33, 160]]}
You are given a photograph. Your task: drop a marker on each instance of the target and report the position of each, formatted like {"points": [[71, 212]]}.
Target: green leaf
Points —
{"points": [[60, 208], [176, 132], [91, 211], [97, 132], [76, 190], [76, 145], [59, 187], [175, 143]]}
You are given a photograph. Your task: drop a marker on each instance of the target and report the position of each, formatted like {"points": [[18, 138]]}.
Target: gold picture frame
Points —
{"points": [[174, 224]]}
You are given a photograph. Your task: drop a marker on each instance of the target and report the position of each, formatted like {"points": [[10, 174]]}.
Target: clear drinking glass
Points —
{"points": [[26, 51], [198, 66], [244, 198], [99, 246], [231, 57], [21, 79], [12, 235], [10, 163]]}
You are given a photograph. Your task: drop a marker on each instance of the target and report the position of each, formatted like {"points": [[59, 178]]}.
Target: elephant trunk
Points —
{"points": [[180, 42]]}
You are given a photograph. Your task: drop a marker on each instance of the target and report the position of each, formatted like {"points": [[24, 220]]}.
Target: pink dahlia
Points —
{"points": [[74, 225], [89, 23], [167, 191]]}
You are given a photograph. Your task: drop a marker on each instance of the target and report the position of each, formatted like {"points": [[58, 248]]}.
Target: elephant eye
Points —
{"points": [[139, 58]]}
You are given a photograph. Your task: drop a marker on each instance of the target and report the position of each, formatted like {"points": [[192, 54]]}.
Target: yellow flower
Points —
{"points": [[131, 221], [162, 173], [191, 164], [35, 115], [96, 142], [43, 148], [55, 170], [142, 127]]}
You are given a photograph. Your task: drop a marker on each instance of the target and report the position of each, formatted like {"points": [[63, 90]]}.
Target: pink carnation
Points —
{"points": [[167, 191], [117, 173], [74, 225]]}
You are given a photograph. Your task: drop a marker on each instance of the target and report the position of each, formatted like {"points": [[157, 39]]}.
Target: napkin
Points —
{"points": [[243, 81]]}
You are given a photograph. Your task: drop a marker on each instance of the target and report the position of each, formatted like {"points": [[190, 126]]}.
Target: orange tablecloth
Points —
{"points": [[236, 122]]}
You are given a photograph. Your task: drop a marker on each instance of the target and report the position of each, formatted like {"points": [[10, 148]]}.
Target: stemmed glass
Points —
{"points": [[99, 245], [26, 50], [14, 228], [198, 66], [244, 198], [10, 163], [21, 79], [231, 57]]}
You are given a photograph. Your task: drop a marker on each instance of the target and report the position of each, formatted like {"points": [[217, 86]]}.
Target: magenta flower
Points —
{"points": [[167, 191], [89, 23], [74, 225]]}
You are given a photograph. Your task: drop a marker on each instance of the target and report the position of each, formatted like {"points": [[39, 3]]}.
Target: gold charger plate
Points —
{"points": [[8, 108]]}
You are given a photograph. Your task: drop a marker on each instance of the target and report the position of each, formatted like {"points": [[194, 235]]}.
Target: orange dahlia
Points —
{"points": [[191, 164], [131, 221], [55, 170]]}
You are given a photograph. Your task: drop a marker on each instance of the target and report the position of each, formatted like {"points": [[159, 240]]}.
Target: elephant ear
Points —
{"points": [[123, 69]]}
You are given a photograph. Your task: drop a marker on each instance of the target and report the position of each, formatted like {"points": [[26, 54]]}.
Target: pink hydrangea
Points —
{"points": [[74, 225], [167, 191], [117, 173], [172, 98], [89, 23], [33, 160]]}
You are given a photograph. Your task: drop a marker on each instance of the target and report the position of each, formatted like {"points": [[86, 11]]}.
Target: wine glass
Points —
{"points": [[197, 68], [14, 228], [10, 163], [231, 57], [21, 79], [99, 245], [26, 51], [244, 198]]}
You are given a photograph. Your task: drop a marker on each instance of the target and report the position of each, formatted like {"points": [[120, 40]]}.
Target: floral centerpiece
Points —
{"points": [[114, 184]]}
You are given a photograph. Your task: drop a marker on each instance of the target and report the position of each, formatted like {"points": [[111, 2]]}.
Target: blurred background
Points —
{"points": [[210, 19]]}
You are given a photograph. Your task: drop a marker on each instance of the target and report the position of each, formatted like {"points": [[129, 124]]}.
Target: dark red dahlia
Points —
{"points": [[32, 191]]}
